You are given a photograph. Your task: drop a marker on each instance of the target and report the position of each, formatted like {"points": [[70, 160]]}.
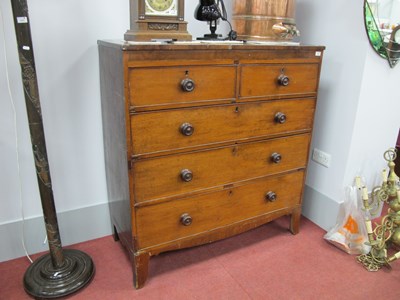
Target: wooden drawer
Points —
{"points": [[164, 176], [152, 87], [161, 223], [261, 80], [160, 131]]}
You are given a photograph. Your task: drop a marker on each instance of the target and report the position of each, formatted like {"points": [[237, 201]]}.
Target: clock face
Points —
{"points": [[161, 7]]}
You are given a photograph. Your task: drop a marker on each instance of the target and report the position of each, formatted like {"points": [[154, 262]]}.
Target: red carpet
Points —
{"points": [[265, 263]]}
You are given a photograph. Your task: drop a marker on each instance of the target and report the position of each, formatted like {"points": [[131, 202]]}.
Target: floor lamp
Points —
{"points": [[60, 272]]}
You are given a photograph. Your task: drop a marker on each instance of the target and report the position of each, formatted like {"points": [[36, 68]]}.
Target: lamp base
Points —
{"points": [[42, 280], [211, 37]]}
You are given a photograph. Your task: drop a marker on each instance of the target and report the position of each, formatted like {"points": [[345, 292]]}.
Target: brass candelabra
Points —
{"points": [[384, 236]]}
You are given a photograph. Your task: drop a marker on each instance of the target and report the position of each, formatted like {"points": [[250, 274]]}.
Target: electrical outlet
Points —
{"points": [[321, 157]]}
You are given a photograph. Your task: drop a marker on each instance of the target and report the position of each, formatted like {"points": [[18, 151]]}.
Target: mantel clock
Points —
{"points": [[157, 19]]}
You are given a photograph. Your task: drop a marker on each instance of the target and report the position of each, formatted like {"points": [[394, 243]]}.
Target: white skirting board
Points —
{"points": [[319, 208], [75, 226]]}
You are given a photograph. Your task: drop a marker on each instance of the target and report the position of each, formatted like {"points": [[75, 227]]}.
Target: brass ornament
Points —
{"points": [[387, 232]]}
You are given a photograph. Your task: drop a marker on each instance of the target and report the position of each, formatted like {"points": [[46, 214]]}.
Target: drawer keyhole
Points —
{"points": [[235, 150]]}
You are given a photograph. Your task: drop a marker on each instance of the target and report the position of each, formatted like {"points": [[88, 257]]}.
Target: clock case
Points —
{"points": [[146, 27]]}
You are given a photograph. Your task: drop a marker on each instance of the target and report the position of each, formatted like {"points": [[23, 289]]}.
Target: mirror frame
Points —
{"points": [[394, 46], [384, 51]]}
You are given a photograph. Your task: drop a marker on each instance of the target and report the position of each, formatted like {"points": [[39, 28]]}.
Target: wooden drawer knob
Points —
{"points": [[280, 118], [186, 129], [271, 197], [186, 175], [276, 157], [187, 85], [283, 80], [186, 219]]}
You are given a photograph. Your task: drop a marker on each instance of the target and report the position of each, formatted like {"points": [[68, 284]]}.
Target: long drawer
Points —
{"points": [[194, 171], [168, 86], [186, 128], [173, 220], [274, 80]]}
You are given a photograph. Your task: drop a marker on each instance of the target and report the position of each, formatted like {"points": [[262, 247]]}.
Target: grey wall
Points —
{"points": [[357, 113]]}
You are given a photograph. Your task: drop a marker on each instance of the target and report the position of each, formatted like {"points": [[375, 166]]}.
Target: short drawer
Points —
{"points": [[155, 87], [170, 221], [278, 80], [195, 171], [188, 128]]}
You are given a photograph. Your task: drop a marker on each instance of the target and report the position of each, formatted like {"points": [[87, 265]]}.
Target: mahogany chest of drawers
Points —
{"points": [[203, 141]]}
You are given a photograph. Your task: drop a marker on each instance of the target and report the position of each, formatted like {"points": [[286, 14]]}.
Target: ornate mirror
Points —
{"points": [[382, 22]]}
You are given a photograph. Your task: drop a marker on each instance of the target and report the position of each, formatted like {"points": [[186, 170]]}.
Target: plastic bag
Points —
{"points": [[350, 233]]}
